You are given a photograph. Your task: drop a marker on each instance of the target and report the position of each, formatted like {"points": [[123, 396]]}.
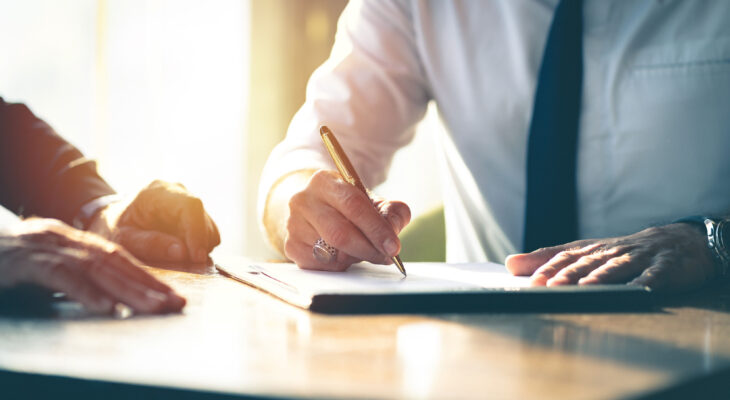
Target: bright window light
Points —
{"points": [[153, 89]]}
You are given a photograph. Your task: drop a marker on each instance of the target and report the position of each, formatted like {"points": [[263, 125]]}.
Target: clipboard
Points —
{"points": [[429, 288]]}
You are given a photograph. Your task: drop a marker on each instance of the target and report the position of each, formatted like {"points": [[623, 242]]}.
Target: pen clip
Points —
{"points": [[339, 163], [343, 164]]}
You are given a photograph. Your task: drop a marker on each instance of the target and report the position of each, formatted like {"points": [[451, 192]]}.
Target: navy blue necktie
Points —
{"points": [[550, 211]]}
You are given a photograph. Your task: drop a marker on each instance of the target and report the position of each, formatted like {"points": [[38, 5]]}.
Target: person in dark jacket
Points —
{"points": [[76, 236]]}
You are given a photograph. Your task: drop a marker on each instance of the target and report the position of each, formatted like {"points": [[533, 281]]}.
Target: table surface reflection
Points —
{"points": [[234, 339]]}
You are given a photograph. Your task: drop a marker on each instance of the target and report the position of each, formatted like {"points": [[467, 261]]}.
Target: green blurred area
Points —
{"points": [[424, 239]]}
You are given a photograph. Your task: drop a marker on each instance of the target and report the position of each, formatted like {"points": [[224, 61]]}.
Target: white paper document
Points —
{"points": [[429, 287], [370, 278]]}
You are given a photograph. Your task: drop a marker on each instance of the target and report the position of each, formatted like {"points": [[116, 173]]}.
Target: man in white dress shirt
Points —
{"points": [[653, 137]]}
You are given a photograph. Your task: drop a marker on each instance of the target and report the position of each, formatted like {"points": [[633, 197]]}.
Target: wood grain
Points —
{"points": [[233, 339]]}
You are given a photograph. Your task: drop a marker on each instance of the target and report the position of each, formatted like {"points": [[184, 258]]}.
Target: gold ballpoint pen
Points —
{"points": [[348, 173]]}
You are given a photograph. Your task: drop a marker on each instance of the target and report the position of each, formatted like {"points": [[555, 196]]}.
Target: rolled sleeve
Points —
{"points": [[371, 92]]}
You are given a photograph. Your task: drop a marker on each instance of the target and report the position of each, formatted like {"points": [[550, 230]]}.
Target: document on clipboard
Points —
{"points": [[429, 288]]}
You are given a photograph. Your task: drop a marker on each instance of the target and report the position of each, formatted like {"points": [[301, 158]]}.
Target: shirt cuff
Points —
{"points": [[89, 210]]}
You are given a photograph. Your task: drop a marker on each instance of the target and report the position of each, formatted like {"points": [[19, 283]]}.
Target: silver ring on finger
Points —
{"points": [[323, 252]]}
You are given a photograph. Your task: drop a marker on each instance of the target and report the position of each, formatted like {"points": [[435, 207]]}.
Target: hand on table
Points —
{"points": [[85, 266], [669, 258], [342, 215], [163, 223]]}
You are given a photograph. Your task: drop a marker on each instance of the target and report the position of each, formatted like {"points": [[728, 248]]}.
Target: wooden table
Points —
{"points": [[232, 339]]}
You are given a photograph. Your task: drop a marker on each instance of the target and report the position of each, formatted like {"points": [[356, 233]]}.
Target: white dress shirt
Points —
{"points": [[654, 140]]}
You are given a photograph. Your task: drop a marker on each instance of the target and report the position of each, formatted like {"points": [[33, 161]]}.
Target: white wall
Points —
{"points": [[158, 89], [151, 88]]}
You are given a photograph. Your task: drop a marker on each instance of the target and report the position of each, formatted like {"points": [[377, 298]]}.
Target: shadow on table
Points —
{"points": [[16, 385], [702, 373], [711, 297], [573, 338], [27, 301]]}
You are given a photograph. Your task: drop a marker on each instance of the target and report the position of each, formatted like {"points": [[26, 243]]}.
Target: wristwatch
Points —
{"points": [[718, 240]]}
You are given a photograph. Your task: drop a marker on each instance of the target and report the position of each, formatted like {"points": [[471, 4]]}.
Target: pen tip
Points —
{"points": [[398, 263]]}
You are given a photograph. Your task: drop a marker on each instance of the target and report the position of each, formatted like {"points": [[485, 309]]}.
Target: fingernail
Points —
{"points": [[155, 298], [202, 255], [395, 221], [176, 301], [539, 280], [556, 282], [175, 252], [390, 247]]}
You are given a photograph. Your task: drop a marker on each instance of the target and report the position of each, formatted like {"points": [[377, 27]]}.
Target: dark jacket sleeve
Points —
{"points": [[41, 174]]}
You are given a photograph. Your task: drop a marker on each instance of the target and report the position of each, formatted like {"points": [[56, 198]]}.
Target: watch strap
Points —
{"points": [[716, 229]]}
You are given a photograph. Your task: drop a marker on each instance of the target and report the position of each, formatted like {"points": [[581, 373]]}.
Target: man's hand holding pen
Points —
{"points": [[341, 214]]}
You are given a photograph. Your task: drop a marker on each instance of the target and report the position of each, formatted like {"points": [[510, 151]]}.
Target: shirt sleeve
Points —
{"points": [[41, 174], [370, 92]]}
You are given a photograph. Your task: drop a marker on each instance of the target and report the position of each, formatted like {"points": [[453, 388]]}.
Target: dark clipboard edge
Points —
{"points": [[598, 298], [595, 299]]}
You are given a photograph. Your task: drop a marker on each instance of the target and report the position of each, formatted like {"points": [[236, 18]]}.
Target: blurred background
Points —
{"points": [[190, 91]]}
